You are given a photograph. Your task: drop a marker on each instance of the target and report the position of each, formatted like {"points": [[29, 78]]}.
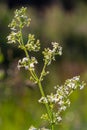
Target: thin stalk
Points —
{"points": [[21, 36], [27, 55], [52, 124], [32, 72], [52, 127], [46, 105], [50, 114], [43, 71], [34, 75]]}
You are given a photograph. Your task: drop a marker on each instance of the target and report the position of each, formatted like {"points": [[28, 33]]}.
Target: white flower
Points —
{"points": [[76, 78], [61, 102], [13, 29], [81, 87], [25, 59], [31, 65], [59, 118], [9, 37], [26, 67], [63, 108], [32, 128], [57, 48], [43, 100], [71, 85], [60, 97]]}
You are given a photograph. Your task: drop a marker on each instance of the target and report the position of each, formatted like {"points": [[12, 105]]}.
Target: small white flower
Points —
{"points": [[59, 118], [13, 33], [31, 65], [13, 29], [61, 102], [43, 100], [71, 85], [32, 128], [81, 87], [19, 61], [63, 108], [76, 78], [22, 16], [26, 67], [9, 37], [66, 92], [25, 59], [60, 97]]}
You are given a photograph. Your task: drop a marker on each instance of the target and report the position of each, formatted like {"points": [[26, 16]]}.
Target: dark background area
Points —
{"points": [[66, 4]]}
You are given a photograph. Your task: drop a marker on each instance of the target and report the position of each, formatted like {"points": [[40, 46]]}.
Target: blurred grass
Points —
{"points": [[19, 106]]}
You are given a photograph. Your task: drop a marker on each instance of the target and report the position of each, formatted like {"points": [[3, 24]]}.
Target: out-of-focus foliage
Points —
{"points": [[1, 57], [2, 74]]}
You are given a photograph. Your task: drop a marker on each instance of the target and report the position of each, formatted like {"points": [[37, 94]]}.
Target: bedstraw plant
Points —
{"points": [[57, 102]]}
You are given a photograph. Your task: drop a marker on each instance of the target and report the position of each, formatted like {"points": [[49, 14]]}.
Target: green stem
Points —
{"points": [[46, 105], [43, 71], [21, 36], [52, 127], [49, 112]]}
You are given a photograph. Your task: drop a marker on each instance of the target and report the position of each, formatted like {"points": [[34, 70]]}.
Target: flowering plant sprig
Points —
{"points": [[60, 99], [57, 102]]}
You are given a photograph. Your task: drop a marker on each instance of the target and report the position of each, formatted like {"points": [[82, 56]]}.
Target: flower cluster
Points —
{"points": [[28, 64], [20, 20], [16, 36], [49, 54], [31, 45], [60, 99]]}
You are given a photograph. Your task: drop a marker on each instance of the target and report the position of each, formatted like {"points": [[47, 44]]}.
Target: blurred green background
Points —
{"points": [[19, 108]]}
